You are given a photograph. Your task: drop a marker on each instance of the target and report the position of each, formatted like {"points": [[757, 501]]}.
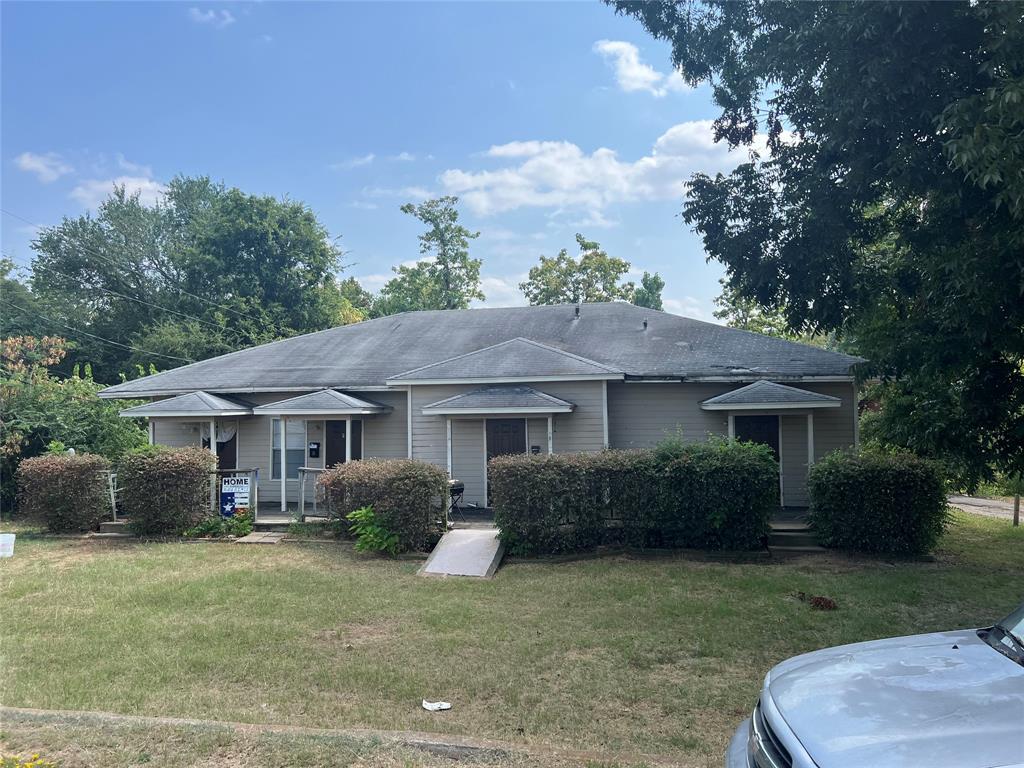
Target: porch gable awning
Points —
{"points": [[325, 402], [487, 401], [769, 396], [191, 404]]}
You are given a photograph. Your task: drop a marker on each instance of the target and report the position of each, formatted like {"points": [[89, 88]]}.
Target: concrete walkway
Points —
{"points": [[987, 507], [466, 552]]}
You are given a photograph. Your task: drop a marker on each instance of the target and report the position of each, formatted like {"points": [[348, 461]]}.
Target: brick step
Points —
{"points": [[115, 526]]}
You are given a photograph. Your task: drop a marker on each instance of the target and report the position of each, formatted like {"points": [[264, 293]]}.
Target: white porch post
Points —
{"points": [[732, 425], [810, 439], [214, 498], [284, 466], [152, 431], [551, 434], [213, 436], [348, 439], [604, 405], [448, 443]]}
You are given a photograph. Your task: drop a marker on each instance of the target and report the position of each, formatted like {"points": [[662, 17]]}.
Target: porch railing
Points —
{"points": [[317, 496]]}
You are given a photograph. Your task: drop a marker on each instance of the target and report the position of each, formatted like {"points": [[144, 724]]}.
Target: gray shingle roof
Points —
{"points": [[768, 393], [501, 398], [326, 401], [510, 359], [367, 354], [191, 404]]}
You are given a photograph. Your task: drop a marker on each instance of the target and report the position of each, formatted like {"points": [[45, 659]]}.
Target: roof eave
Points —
{"points": [[510, 379], [769, 406], [537, 410]]}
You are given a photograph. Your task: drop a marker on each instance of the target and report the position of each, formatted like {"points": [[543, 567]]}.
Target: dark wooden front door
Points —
{"points": [[334, 437], [505, 436], [759, 429], [227, 453]]}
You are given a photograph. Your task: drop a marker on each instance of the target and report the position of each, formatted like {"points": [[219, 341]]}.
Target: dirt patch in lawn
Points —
{"points": [[356, 634]]}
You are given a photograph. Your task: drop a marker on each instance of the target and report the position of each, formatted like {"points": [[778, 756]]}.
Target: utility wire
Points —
{"points": [[140, 301], [94, 336], [107, 260]]}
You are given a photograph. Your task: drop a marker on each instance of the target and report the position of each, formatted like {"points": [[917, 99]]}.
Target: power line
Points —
{"points": [[94, 336], [141, 301], [107, 260]]}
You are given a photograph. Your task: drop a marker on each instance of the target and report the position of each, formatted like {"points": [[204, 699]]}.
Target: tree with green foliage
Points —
{"points": [[445, 277], [38, 408], [890, 201], [648, 293], [206, 270]]}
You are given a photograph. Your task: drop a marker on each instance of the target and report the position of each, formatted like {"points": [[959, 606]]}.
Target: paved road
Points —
{"points": [[987, 507]]}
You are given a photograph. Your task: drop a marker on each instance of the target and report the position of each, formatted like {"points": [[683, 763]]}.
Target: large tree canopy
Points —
{"points": [[594, 276], [890, 203], [444, 277], [207, 270]]}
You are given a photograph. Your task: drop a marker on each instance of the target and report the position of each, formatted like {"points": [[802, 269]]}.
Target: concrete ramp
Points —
{"points": [[465, 552]]}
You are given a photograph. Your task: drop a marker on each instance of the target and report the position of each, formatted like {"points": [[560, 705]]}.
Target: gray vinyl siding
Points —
{"points": [[469, 457], [793, 450], [641, 415], [583, 429], [537, 434], [387, 436], [176, 433], [833, 427]]}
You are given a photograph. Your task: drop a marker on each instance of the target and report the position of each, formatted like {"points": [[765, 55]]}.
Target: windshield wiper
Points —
{"points": [[1005, 642]]}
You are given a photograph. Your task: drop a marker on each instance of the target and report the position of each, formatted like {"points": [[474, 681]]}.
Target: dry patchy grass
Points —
{"points": [[654, 656]]}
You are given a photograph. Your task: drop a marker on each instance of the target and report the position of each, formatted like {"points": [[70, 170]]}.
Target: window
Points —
{"points": [[295, 449]]}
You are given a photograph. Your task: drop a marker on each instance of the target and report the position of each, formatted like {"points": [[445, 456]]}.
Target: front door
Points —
{"points": [[759, 429], [505, 436], [334, 437]]}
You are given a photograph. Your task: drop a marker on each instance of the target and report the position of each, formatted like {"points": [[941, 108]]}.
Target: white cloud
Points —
{"points": [[688, 306], [363, 205], [417, 193], [633, 74], [558, 174], [136, 169], [403, 157], [91, 192], [47, 167], [502, 291], [355, 162], [215, 19]]}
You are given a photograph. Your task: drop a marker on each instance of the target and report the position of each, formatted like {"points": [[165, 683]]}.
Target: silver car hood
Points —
{"points": [[906, 701]]}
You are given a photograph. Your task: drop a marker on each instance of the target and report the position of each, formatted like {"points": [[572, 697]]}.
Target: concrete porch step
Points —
{"points": [[804, 538], [115, 526]]}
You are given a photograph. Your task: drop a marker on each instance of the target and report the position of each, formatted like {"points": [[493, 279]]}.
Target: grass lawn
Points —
{"points": [[620, 656]]}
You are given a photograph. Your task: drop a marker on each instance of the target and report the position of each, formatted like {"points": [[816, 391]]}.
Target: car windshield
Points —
{"points": [[1014, 624]]}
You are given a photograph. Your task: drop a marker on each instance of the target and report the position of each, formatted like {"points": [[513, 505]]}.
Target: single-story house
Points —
{"points": [[458, 387]]}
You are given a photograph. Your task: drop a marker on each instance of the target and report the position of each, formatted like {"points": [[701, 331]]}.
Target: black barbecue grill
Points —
{"points": [[456, 488]]}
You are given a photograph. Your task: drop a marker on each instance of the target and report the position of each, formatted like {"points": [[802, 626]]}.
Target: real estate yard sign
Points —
{"points": [[234, 496]]}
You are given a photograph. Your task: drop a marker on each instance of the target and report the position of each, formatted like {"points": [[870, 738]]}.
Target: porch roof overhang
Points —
{"points": [[769, 396], [499, 400], [325, 402], [191, 404]]}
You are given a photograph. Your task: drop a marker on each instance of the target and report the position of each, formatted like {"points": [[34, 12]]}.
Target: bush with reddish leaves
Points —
{"points": [[70, 492], [408, 497], [165, 491]]}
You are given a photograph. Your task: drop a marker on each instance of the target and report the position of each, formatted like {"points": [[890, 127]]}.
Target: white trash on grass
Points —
{"points": [[436, 706], [7, 544]]}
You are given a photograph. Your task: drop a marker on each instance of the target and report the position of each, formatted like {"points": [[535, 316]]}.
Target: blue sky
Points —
{"points": [[546, 120]]}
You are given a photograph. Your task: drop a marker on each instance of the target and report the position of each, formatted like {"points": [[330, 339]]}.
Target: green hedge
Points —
{"points": [[873, 502], [714, 495], [165, 491], [70, 492], [408, 497]]}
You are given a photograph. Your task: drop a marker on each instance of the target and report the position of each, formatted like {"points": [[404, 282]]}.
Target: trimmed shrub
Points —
{"points": [[68, 491], [714, 495], [408, 497], [165, 491], [870, 502]]}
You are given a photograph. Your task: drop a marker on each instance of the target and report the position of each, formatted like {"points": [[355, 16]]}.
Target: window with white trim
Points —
{"points": [[295, 449]]}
